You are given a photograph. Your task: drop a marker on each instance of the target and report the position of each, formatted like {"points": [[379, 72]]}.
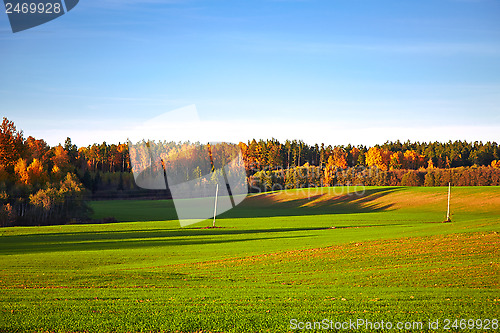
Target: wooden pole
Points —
{"points": [[449, 195], [215, 206]]}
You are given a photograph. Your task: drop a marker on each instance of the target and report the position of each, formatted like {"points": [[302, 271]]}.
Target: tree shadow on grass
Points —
{"points": [[133, 239], [283, 204], [308, 201], [264, 205], [124, 244]]}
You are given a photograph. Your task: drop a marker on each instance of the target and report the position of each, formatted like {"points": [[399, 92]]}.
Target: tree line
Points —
{"points": [[271, 154], [40, 184], [315, 176]]}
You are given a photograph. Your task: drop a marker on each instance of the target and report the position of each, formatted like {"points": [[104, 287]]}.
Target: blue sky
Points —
{"points": [[337, 72]]}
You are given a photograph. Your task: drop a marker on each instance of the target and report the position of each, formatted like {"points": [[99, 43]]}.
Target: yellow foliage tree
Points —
{"points": [[57, 173], [410, 160], [329, 173], [430, 164], [375, 157], [21, 170], [36, 173]]}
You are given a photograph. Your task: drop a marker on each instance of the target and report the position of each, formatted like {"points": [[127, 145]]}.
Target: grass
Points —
{"points": [[299, 254]]}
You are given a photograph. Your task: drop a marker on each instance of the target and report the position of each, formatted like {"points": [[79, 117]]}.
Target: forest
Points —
{"points": [[40, 184]]}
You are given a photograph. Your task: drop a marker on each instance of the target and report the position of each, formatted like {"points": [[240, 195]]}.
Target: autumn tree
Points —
{"points": [[410, 160], [123, 156], [374, 158], [397, 161], [37, 175], [61, 163], [59, 202], [354, 156], [386, 158], [37, 149], [430, 164], [254, 154], [339, 158], [329, 172], [11, 144], [21, 170], [411, 178]]}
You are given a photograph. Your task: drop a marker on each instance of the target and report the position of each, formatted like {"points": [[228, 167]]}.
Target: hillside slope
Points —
{"points": [[364, 199]]}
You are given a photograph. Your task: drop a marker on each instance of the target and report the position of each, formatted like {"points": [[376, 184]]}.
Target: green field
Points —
{"points": [[307, 255]]}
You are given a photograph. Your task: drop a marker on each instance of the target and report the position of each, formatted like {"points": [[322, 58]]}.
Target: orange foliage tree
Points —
{"points": [[34, 174], [338, 158], [37, 149], [354, 155], [61, 162]]}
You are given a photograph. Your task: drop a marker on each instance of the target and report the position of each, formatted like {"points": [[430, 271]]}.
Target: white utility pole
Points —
{"points": [[215, 206], [449, 195]]}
